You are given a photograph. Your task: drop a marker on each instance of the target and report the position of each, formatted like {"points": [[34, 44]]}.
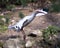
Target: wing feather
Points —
{"points": [[25, 23]]}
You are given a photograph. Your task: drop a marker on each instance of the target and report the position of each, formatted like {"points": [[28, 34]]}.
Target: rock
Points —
{"points": [[29, 43], [13, 43], [43, 22], [37, 32], [3, 19], [13, 22], [2, 14]]}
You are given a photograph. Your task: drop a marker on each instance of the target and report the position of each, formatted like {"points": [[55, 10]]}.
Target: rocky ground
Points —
{"points": [[35, 27]]}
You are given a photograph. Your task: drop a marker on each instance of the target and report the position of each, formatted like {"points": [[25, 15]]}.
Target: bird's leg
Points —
{"points": [[24, 36], [9, 32]]}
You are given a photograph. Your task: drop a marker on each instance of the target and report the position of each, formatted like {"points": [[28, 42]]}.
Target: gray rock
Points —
{"points": [[37, 32], [14, 43], [29, 43]]}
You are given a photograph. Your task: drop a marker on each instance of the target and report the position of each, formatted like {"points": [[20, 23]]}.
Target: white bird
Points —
{"points": [[26, 20]]}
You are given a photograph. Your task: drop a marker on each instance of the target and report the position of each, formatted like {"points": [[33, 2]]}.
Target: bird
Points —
{"points": [[26, 20]]}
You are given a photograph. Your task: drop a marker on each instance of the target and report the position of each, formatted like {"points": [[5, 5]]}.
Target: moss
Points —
{"points": [[1, 44], [10, 7], [55, 8], [51, 30]]}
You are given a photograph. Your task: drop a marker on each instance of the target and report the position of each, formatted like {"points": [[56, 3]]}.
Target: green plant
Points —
{"points": [[32, 1], [53, 1], [1, 44], [4, 20], [7, 20], [1, 21], [18, 2], [55, 8], [24, 2], [3, 28], [50, 31], [1, 17], [9, 7], [21, 15]]}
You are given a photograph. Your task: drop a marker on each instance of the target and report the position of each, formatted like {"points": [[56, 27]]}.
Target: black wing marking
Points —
{"points": [[25, 23]]}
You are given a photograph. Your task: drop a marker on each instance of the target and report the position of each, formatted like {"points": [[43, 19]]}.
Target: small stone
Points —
{"points": [[43, 22], [37, 32], [29, 44], [3, 19], [13, 21], [2, 14]]}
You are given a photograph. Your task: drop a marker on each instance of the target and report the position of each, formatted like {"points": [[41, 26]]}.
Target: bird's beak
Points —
{"points": [[10, 27]]}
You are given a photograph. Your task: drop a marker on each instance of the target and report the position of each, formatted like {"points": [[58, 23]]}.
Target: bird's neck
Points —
{"points": [[34, 14]]}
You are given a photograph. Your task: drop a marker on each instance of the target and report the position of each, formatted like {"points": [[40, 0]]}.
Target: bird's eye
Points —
{"points": [[16, 26]]}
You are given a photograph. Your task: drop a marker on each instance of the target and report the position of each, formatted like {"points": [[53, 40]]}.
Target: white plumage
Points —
{"points": [[26, 20], [41, 14]]}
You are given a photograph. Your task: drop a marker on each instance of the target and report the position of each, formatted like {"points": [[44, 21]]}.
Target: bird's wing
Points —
{"points": [[25, 23], [22, 22], [27, 20]]}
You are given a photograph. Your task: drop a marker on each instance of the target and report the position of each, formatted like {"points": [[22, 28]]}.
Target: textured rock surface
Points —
{"points": [[18, 42], [29, 43], [37, 32], [13, 43]]}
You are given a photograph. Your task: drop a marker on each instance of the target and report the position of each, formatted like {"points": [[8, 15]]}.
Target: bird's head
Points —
{"points": [[15, 28], [41, 12]]}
